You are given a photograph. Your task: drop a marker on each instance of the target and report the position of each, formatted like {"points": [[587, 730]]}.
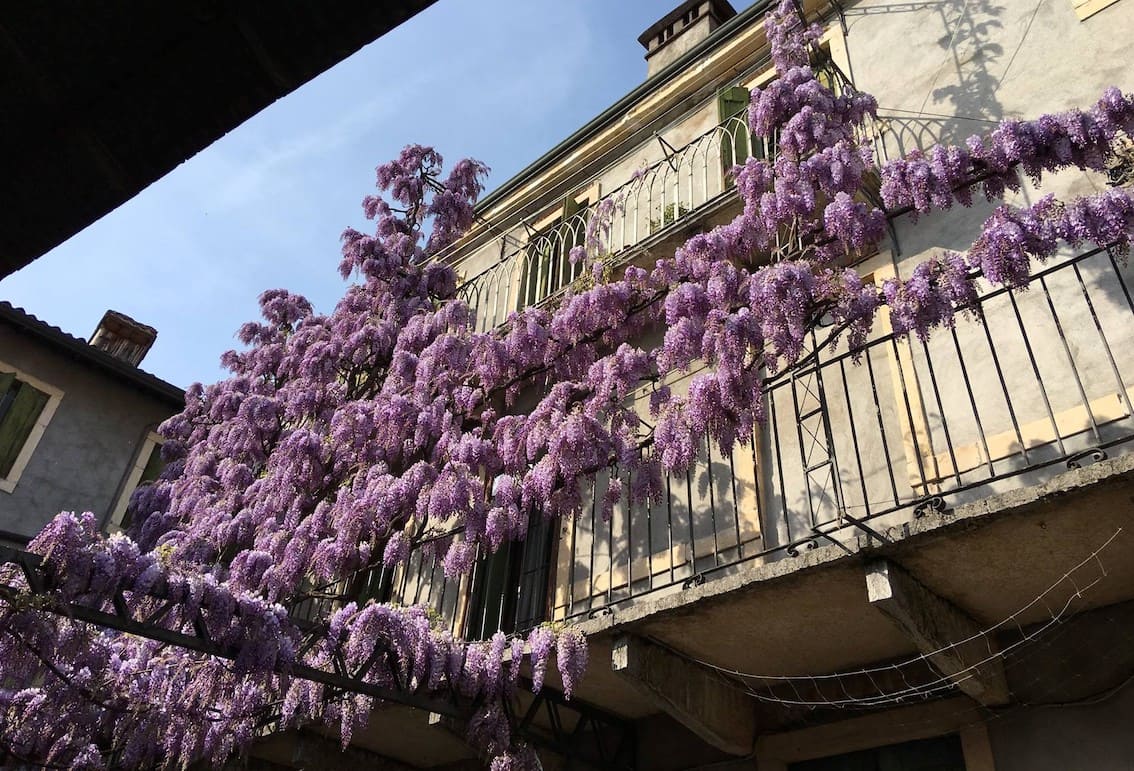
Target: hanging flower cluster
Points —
{"points": [[345, 442], [942, 175]]}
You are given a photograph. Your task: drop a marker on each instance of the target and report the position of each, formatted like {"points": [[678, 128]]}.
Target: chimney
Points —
{"points": [[123, 338], [681, 29]]}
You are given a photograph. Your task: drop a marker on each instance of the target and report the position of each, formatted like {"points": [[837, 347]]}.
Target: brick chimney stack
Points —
{"points": [[681, 29], [123, 338]]}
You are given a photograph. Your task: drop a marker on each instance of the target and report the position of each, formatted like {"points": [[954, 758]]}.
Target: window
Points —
{"points": [[26, 407], [510, 587], [146, 468], [547, 264], [736, 140]]}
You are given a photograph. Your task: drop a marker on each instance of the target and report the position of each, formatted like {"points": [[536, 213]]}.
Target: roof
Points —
{"points": [[617, 111], [100, 360], [103, 98]]}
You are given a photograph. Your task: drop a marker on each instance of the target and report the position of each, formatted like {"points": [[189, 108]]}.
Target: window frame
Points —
{"points": [[150, 442], [54, 397]]}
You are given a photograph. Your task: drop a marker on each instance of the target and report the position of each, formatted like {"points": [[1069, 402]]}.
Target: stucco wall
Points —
{"points": [[944, 71], [1094, 736], [1080, 674], [85, 452]]}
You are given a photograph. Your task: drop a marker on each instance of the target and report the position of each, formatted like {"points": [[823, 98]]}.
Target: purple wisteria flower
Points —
{"points": [[388, 432]]}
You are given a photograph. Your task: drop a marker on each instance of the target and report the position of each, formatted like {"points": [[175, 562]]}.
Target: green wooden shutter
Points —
{"points": [[570, 207], [154, 466], [735, 142], [17, 424], [731, 101], [573, 237], [577, 235]]}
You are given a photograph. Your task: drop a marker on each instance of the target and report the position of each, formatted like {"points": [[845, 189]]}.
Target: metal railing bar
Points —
{"points": [[944, 418], [777, 461], [1035, 370], [908, 405], [1070, 360], [881, 428], [854, 433], [1122, 394], [972, 402]]}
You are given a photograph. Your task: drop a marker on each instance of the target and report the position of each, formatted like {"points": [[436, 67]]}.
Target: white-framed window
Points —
{"points": [[27, 405], [145, 469]]}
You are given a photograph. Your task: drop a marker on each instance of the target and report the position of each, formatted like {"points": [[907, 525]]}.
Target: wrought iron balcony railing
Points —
{"points": [[855, 442], [1029, 382], [660, 197]]}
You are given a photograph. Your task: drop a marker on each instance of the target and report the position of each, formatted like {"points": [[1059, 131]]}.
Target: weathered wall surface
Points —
{"points": [[1094, 736], [84, 455], [1081, 675], [944, 71]]}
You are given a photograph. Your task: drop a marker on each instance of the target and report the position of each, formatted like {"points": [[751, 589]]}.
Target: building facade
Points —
{"points": [[923, 559], [78, 420]]}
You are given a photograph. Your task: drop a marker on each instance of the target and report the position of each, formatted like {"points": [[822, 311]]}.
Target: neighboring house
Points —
{"points": [[925, 560], [78, 420]]}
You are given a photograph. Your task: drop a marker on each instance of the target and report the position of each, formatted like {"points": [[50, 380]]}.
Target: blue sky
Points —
{"points": [[500, 81]]}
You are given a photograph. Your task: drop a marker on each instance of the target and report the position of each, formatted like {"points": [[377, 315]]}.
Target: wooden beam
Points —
{"points": [[950, 639], [722, 715]]}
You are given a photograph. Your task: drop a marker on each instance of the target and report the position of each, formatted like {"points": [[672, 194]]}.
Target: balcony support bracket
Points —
{"points": [[669, 150], [696, 697], [949, 638]]}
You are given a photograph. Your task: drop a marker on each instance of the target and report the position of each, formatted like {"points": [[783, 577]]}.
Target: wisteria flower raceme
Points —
{"points": [[346, 445]]}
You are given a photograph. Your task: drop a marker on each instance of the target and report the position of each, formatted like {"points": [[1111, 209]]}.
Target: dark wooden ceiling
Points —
{"points": [[100, 98]]}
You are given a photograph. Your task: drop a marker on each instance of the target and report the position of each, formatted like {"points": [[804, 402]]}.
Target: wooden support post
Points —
{"points": [[952, 641]]}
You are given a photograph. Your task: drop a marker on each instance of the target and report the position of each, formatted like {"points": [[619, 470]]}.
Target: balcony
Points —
{"points": [[855, 445], [660, 200]]}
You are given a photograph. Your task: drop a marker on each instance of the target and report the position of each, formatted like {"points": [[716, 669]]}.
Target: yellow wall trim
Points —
{"points": [[1085, 9]]}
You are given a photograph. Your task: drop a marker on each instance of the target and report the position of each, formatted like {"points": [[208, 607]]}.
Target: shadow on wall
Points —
{"points": [[961, 97]]}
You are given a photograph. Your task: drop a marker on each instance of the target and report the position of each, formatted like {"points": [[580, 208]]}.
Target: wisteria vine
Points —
{"points": [[343, 442]]}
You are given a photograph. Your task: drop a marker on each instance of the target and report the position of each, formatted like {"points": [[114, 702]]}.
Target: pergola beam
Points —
{"points": [[40, 583], [949, 638], [720, 714]]}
